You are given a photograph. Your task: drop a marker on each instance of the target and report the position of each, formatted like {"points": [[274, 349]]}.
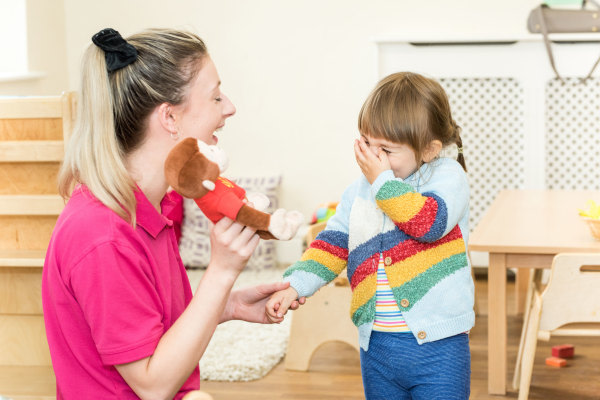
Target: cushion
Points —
{"points": [[194, 245]]}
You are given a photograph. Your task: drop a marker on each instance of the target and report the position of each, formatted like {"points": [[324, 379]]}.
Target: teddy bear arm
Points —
{"points": [[253, 218]]}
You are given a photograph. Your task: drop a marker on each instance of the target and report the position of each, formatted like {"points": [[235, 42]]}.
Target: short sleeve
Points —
{"points": [[114, 287]]}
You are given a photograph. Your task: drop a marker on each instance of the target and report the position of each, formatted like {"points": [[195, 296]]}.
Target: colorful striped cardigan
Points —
{"points": [[421, 226]]}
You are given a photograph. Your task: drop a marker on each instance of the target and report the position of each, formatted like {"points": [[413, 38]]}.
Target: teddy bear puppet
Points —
{"points": [[193, 169]]}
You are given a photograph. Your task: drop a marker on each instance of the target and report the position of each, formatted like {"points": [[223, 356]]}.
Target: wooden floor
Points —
{"points": [[335, 369]]}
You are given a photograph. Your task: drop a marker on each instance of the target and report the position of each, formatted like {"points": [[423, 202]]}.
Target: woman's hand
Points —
{"points": [[370, 164], [232, 244], [248, 304]]}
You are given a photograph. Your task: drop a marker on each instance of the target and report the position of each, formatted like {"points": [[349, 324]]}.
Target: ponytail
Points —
{"points": [[459, 144], [93, 156]]}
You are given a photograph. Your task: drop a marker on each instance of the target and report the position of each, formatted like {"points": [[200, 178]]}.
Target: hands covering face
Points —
{"points": [[371, 164]]}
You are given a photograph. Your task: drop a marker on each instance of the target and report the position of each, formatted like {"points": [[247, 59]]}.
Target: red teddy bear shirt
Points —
{"points": [[225, 200]]}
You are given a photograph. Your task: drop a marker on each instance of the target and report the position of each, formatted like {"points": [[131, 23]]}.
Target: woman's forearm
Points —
{"points": [[181, 347]]}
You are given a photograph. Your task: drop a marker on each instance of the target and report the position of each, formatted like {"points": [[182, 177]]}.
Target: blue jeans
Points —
{"points": [[396, 367]]}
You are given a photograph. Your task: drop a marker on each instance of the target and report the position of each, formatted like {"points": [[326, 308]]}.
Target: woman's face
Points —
{"points": [[205, 110]]}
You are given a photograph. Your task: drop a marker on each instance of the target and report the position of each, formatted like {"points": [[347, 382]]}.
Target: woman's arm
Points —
{"points": [[248, 304], [179, 350]]}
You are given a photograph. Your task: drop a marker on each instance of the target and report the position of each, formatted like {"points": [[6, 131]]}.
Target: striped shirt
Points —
{"points": [[388, 317]]}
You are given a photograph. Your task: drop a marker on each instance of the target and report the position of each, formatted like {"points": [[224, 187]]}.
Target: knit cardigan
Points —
{"points": [[420, 226]]}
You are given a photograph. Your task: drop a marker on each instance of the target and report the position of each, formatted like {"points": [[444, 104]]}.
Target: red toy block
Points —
{"points": [[556, 362], [563, 351]]}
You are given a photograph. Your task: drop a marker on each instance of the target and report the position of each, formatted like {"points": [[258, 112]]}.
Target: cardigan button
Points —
{"points": [[404, 303], [388, 261], [421, 335]]}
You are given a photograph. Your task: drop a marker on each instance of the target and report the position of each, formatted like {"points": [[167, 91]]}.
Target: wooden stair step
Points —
{"points": [[31, 107], [22, 258], [31, 150], [27, 382], [46, 204]]}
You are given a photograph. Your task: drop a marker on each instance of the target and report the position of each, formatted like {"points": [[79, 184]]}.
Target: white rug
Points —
{"points": [[241, 351]]}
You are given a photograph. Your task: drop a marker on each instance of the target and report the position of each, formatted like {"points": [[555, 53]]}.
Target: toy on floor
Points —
{"points": [[556, 362], [563, 351], [324, 212], [193, 170]]}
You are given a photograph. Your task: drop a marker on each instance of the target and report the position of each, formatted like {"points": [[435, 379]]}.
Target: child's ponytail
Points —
{"points": [[457, 139]]}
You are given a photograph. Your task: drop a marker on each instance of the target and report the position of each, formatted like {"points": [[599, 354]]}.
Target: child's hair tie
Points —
{"points": [[451, 151]]}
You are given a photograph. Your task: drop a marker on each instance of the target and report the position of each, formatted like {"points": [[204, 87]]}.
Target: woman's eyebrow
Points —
{"points": [[216, 87]]}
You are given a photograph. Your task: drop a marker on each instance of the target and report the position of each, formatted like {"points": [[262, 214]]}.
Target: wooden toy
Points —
{"points": [[556, 362], [563, 351]]}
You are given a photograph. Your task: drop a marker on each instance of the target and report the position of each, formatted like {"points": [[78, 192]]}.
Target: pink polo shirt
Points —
{"points": [[109, 293]]}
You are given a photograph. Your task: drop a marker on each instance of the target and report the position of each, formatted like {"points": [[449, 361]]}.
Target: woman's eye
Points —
{"points": [[386, 151], [218, 99]]}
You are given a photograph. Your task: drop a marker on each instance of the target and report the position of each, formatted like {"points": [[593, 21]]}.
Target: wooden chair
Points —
{"points": [[571, 297], [325, 317], [32, 136]]}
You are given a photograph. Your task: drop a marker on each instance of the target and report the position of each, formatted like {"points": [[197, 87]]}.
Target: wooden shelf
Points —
{"points": [[42, 204], [31, 107], [31, 150], [22, 258]]}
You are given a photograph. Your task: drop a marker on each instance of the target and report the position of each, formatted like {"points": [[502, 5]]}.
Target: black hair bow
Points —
{"points": [[117, 51]]}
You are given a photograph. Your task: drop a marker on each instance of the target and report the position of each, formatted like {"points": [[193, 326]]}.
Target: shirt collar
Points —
{"points": [[148, 218]]}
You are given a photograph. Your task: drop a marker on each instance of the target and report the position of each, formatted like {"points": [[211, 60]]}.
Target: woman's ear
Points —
{"points": [[166, 117], [432, 150]]}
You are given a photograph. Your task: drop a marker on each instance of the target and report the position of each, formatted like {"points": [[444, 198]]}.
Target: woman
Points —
{"points": [[120, 316]]}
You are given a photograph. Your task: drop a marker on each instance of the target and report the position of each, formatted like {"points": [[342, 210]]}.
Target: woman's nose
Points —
{"points": [[229, 108]]}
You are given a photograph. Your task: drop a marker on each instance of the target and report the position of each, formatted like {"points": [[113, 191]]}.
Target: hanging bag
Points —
{"points": [[545, 20]]}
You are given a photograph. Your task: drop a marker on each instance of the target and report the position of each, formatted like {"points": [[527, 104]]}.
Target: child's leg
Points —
{"points": [[379, 368], [442, 370]]}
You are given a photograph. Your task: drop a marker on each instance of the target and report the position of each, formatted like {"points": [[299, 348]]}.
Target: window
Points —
{"points": [[13, 38]]}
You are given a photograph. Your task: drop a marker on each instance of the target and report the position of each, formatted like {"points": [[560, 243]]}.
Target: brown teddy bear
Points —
{"points": [[193, 170]]}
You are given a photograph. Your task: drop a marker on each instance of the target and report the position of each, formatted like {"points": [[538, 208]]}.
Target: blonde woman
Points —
{"points": [[120, 316]]}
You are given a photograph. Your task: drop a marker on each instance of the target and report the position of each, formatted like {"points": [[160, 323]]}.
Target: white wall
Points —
{"points": [[298, 72]]}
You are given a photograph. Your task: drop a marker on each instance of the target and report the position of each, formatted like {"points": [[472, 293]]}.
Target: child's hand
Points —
{"points": [[279, 303], [370, 164]]}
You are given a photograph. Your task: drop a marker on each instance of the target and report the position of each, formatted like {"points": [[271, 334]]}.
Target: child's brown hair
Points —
{"points": [[409, 108]]}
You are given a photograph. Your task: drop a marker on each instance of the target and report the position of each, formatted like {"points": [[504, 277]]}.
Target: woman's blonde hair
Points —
{"points": [[411, 109], [113, 108]]}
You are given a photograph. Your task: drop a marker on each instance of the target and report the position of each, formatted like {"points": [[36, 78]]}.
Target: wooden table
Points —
{"points": [[525, 229]]}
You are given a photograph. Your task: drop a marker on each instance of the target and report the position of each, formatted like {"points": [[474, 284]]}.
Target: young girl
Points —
{"points": [[401, 231], [120, 316]]}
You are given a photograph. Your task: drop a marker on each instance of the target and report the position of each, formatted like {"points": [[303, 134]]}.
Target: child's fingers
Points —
{"points": [[359, 154], [274, 320], [271, 307], [284, 307]]}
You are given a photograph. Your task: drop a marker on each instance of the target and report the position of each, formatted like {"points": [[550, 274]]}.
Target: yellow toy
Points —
{"points": [[593, 212], [592, 217]]}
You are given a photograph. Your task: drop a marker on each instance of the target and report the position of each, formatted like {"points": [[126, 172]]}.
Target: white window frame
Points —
{"points": [[14, 63]]}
